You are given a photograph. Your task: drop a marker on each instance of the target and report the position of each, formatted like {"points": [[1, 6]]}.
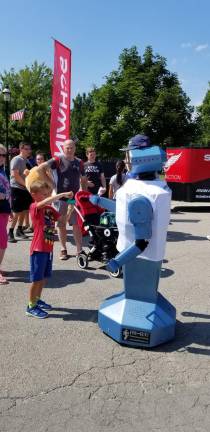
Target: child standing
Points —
{"points": [[43, 217]]}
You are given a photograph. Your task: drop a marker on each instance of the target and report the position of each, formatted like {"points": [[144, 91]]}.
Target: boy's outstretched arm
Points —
{"points": [[53, 198]]}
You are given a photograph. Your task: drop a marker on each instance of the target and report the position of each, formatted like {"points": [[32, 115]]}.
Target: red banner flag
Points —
{"points": [[60, 109]]}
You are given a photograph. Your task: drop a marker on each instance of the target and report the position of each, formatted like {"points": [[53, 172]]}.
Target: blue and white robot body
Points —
{"points": [[158, 200], [137, 218], [140, 315], [140, 215]]}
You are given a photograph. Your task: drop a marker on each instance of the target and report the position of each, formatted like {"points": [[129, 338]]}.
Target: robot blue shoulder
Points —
{"points": [[140, 214]]}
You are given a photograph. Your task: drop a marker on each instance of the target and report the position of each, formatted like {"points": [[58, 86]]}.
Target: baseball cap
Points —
{"points": [[138, 142]]}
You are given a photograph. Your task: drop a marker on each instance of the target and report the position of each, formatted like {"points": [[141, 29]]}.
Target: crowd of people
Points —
{"points": [[33, 213]]}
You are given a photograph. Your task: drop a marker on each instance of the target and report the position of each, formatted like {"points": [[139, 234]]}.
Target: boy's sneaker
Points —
{"points": [[11, 237], [36, 312], [41, 304], [20, 234]]}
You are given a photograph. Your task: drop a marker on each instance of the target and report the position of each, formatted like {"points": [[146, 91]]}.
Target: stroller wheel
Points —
{"points": [[117, 273], [107, 232], [82, 260]]}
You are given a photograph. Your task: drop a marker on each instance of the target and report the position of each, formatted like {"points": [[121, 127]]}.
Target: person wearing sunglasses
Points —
{"points": [[5, 210]]}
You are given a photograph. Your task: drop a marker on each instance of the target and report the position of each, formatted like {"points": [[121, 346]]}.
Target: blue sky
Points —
{"points": [[98, 30]]}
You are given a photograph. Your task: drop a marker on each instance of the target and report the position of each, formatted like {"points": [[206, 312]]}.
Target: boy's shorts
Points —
{"points": [[20, 199], [40, 266]]}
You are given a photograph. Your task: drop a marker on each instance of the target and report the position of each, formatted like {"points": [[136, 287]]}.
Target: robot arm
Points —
{"points": [[103, 202], [140, 214]]}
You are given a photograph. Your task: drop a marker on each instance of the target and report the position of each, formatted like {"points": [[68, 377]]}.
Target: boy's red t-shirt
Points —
{"points": [[43, 221]]}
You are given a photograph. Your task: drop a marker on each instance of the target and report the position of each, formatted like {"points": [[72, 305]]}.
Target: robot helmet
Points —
{"points": [[142, 156]]}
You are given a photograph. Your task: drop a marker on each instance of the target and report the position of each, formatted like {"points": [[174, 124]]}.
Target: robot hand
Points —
{"points": [[113, 265], [127, 255], [94, 199]]}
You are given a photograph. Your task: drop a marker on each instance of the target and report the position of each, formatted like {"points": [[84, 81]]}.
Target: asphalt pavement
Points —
{"points": [[63, 374]]}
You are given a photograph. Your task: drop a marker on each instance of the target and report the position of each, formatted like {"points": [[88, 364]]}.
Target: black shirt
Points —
{"points": [[93, 171]]}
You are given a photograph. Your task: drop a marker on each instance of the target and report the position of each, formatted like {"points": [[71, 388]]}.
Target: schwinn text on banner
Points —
{"points": [[60, 109]]}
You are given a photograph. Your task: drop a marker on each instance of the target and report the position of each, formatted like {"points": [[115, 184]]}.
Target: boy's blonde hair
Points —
{"points": [[38, 185]]}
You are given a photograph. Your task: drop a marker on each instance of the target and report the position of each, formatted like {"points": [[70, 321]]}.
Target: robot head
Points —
{"points": [[142, 157]]}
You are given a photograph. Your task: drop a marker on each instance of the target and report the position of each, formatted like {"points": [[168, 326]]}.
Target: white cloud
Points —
{"points": [[186, 45], [196, 47], [201, 47]]}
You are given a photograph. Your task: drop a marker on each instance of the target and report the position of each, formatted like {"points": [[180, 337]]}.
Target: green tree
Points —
{"points": [[203, 120], [30, 89], [140, 96], [83, 106]]}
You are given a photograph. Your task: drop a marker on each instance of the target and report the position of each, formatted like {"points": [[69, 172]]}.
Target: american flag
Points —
{"points": [[18, 115]]}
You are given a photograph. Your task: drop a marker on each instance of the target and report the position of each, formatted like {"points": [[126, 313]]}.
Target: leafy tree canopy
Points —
{"points": [[203, 120], [140, 96], [30, 89]]}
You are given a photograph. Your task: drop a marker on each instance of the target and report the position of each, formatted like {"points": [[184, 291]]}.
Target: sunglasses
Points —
{"points": [[2, 155]]}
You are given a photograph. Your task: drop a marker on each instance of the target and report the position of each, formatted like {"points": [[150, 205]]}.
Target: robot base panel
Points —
{"points": [[137, 323]]}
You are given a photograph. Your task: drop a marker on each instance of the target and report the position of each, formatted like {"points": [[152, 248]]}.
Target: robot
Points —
{"points": [[139, 316]]}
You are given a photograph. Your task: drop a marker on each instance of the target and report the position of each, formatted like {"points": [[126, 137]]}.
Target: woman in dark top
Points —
{"points": [[5, 209]]}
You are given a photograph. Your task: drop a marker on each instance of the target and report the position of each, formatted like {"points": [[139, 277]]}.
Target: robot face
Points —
{"points": [[144, 160]]}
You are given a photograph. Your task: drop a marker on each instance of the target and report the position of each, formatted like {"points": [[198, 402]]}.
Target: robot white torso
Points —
{"points": [[159, 196]]}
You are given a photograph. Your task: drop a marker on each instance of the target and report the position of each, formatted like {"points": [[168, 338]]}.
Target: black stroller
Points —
{"points": [[101, 228]]}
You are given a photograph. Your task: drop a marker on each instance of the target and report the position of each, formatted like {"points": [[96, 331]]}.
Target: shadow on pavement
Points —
{"points": [[186, 333], [185, 220], [181, 236], [18, 276], [193, 209], [190, 333], [89, 315], [62, 278], [164, 273]]}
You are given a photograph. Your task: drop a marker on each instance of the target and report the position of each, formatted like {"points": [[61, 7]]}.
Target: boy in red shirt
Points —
{"points": [[43, 217]]}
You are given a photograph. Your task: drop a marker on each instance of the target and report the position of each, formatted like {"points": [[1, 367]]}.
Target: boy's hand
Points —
{"points": [[26, 172], [68, 194]]}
